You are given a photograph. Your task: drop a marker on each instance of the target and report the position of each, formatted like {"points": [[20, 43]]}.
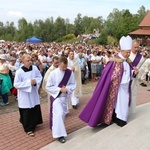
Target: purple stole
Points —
{"points": [[63, 82], [136, 60]]}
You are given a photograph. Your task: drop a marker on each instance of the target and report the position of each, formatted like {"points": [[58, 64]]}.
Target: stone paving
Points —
{"points": [[12, 135]]}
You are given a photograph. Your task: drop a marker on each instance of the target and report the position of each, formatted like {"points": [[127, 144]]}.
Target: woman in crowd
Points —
{"points": [[5, 81], [36, 62]]}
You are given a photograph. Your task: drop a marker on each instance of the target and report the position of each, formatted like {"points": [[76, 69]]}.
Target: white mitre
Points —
{"points": [[125, 43]]}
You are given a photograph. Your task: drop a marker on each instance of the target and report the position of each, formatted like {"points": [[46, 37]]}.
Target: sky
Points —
{"points": [[13, 10]]}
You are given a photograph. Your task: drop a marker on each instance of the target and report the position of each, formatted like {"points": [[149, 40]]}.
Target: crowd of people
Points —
{"points": [[61, 69]]}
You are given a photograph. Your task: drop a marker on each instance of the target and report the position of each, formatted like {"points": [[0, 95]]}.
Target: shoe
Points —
{"points": [[16, 98], [121, 123], [144, 85], [74, 106], [4, 104], [30, 133], [62, 139]]}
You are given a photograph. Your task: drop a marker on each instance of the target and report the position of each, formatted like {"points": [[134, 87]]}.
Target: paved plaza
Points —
{"points": [[12, 135]]}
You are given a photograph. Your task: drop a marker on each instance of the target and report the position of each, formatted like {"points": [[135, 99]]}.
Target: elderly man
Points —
{"points": [[55, 64], [137, 61], [112, 96], [43, 60], [82, 63], [75, 67]]}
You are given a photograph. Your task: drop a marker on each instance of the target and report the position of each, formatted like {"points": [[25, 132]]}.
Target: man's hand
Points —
{"points": [[63, 89], [33, 81], [44, 61], [73, 68], [136, 71]]}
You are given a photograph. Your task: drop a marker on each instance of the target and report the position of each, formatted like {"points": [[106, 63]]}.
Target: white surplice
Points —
{"points": [[135, 81], [78, 90], [28, 96], [122, 103], [45, 81], [60, 104]]}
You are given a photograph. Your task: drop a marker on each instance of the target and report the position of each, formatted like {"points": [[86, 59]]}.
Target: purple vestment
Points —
{"points": [[136, 60], [100, 107], [63, 82]]}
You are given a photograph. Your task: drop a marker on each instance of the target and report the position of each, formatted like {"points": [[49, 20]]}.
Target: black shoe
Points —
{"points": [[144, 85], [74, 106], [141, 83], [114, 119], [62, 139], [121, 123]]}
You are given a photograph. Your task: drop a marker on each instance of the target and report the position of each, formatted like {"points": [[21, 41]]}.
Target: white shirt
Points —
{"points": [[40, 57], [126, 73]]}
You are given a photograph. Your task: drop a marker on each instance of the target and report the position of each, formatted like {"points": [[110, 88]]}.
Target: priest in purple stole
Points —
{"points": [[60, 85], [137, 61], [112, 96]]}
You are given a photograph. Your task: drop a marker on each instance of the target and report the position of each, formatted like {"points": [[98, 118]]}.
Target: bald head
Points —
{"points": [[135, 46]]}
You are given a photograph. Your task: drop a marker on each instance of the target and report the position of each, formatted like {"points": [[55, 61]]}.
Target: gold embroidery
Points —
{"points": [[116, 60], [115, 80]]}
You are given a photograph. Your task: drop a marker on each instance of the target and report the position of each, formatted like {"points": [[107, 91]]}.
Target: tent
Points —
{"points": [[34, 40]]}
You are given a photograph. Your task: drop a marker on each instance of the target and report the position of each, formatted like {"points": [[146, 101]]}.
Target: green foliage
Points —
{"points": [[122, 22], [102, 40], [92, 42], [111, 40], [69, 37], [118, 23]]}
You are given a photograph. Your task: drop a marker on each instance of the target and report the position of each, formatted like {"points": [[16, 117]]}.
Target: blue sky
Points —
{"points": [[13, 10]]}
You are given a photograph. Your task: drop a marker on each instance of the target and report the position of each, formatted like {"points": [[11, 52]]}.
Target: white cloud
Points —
{"points": [[15, 14]]}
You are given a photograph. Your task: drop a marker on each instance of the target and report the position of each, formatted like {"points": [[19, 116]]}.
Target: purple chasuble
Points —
{"points": [[100, 107], [137, 59], [63, 82]]}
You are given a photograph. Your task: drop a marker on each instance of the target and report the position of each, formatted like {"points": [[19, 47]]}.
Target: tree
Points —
{"points": [[22, 30], [49, 27], [70, 28], [141, 13], [113, 22], [2, 30], [10, 31], [102, 39], [120, 23], [59, 28], [78, 25]]}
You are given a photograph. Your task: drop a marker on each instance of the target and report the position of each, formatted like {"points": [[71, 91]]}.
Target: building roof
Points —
{"points": [[144, 26], [146, 20], [140, 32]]}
